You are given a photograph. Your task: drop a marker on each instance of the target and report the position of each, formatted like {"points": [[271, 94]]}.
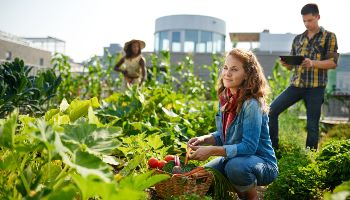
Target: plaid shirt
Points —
{"points": [[322, 46]]}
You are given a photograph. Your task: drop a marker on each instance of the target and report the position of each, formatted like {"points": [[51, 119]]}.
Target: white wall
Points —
{"points": [[276, 42], [190, 22]]}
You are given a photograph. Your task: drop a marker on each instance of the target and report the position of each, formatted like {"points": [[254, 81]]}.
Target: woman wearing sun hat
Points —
{"points": [[134, 69]]}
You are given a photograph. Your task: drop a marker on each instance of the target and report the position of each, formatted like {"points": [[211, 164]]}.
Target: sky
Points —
{"points": [[89, 25]]}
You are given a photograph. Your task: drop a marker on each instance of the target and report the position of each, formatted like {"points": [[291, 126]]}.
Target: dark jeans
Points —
{"points": [[313, 99], [245, 172]]}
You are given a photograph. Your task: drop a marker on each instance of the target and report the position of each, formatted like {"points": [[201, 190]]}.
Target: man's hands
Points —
{"points": [[307, 63], [289, 67]]}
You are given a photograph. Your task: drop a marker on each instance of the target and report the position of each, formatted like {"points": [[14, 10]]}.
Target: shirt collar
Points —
{"points": [[321, 31]]}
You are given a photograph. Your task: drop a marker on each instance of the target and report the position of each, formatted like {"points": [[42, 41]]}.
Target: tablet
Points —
{"points": [[292, 60]]}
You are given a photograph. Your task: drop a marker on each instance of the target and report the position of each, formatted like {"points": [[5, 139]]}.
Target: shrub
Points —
{"points": [[291, 182], [31, 94], [338, 132], [335, 159]]}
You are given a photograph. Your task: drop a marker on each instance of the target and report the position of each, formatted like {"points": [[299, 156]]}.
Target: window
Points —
{"points": [[191, 39], [156, 42], [219, 44], [41, 62], [176, 42], [8, 55], [206, 44], [163, 40]]}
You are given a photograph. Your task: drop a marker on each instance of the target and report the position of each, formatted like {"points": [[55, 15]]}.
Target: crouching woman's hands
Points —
{"points": [[200, 152], [202, 140], [204, 152]]}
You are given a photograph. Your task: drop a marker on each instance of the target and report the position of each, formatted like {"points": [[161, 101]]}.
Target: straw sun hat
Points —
{"points": [[141, 43]]}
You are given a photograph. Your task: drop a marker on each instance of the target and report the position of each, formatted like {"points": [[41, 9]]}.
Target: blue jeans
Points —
{"points": [[245, 172], [313, 99]]}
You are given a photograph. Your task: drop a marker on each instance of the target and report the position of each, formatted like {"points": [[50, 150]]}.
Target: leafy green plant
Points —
{"points": [[31, 94], [341, 192], [280, 79], [338, 132], [59, 160], [214, 72], [61, 64], [293, 181], [152, 146], [335, 159]]}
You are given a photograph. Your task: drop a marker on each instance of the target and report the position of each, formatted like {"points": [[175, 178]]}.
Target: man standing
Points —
{"points": [[308, 81]]}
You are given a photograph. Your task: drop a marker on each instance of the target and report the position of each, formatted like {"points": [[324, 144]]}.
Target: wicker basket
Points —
{"points": [[196, 181]]}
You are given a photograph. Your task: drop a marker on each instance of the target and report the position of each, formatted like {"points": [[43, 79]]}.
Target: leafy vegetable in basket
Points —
{"points": [[171, 167], [223, 188]]}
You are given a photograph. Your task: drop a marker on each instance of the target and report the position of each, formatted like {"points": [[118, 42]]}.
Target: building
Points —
{"points": [[197, 35], [51, 44], [267, 46], [35, 52], [113, 48], [12, 46], [343, 74], [190, 34]]}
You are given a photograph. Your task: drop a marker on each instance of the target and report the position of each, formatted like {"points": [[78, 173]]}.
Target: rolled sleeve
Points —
{"points": [[231, 150], [332, 50], [216, 136]]}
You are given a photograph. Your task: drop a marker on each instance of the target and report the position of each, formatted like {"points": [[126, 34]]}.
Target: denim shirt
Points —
{"points": [[248, 134]]}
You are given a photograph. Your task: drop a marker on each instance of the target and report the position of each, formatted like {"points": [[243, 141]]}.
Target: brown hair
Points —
{"points": [[128, 50], [310, 8], [255, 86]]}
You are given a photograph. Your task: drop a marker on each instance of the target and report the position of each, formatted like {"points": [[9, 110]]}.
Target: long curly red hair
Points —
{"points": [[255, 86]]}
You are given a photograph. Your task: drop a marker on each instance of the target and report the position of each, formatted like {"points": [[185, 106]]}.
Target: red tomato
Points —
{"points": [[161, 164], [153, 162], [169, 158]]}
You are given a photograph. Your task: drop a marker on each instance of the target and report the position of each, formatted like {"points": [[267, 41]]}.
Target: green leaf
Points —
{"points": [[78, 108], [132, 164], [50, 171], [68, 192], [8, 160], [93, 119], [170, 113], [110, 160], [59, 119], [93, 186], [86, 164], [94, 102], [7, 130], [142, 181], [64, 105], [96, 140], [155, 141]]}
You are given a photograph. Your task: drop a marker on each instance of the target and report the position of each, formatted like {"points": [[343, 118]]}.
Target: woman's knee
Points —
{"points": [[216, 164], [238, 172]]}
